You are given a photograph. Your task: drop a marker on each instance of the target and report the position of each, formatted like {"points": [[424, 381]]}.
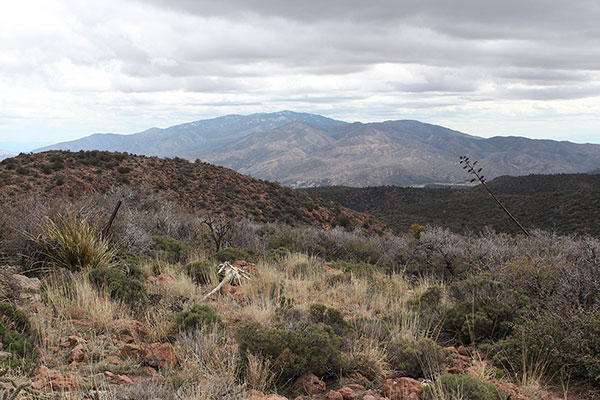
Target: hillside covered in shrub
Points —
{"points": [[197, 186], [565, 203], [313, 313]]}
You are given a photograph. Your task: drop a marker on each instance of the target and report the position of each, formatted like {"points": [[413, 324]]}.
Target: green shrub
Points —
{"points": [[332, 317], [459, 387], [119, 286], [292, 353], [73, 243], [202, 272], [232, 254], [485, 310], [14, 325], [170, 250], [429, 305], [277, 254], [199, 316], [563, 344], [415, 359], [361, 269], [18, 319], [130, 264], [339, 279]]}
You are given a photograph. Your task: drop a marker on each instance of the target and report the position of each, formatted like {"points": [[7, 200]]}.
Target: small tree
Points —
{"points": [[220, 228]]}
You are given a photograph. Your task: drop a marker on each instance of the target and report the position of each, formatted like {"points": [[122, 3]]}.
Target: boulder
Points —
{"points": [[246, 266], [334, 395], [347, 393], [309, 384], [70, 341], [53, 380], [256, 395], [161, 355], [402, 389], [77, 354]]}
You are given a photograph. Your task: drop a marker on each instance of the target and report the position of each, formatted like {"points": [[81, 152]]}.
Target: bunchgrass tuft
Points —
{"points": [[74, 244]]}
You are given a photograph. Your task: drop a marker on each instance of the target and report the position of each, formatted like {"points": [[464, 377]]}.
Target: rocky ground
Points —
{"points": [[87, 355]]}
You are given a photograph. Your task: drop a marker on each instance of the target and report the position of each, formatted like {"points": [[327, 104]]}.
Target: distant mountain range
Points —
{"points": [[305, 150]]}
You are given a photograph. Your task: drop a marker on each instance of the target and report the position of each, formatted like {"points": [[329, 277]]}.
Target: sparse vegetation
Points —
{"points": [[490, 308]]}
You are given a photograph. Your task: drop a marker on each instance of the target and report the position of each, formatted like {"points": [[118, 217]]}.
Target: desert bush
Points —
{"points": [[277, 254], [119, 286], [563, 345], [199, 316], [458, 387], [202, 272], [415, 359], [130, 264], [74, 243], [232, 254], [485, 310], [329, 316], [292, 353], [360, 269], [14, 326], [339, 279], [170, 250]]}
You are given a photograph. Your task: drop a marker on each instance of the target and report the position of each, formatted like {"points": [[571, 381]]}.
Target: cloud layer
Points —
{"points": [[528, 67]]}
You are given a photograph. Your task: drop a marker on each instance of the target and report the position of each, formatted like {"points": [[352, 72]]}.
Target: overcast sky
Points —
{"points": [[525, 67]]}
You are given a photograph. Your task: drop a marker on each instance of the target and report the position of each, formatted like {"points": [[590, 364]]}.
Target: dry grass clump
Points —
{"points": [[72, 297], [209, 361]]}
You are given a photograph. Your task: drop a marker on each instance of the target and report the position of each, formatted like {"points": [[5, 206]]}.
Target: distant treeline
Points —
{"points": [[565, 203]]}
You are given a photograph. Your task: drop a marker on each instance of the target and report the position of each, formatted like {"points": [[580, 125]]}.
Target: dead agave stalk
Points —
{"points": [[232, 275], [470, 167]]}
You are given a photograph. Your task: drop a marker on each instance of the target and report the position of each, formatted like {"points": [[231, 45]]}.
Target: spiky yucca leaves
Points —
{"points": [[74, 243]]}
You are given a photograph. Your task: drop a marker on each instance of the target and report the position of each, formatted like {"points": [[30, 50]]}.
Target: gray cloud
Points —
{"points": [[176, 59]]}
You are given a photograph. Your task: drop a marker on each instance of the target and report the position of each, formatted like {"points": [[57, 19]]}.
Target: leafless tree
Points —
{"points": [[220, 227]]}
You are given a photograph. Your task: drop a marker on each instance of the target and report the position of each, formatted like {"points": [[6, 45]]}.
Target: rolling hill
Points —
{"points": [[565, 203], [197, 186], [306, 150]]}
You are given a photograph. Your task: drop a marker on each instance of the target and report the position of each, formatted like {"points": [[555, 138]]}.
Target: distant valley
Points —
{"points": [[307, 150]]}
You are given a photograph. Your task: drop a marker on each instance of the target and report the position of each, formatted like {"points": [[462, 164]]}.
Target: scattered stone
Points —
{"points": [[348, 394], [77, 354], [129, 327], [27, 289], [118, 379], [137, 352], [309, 384], [357, 378], [71, 341], [246, 266], [160, 279], [256, 395], [334, 395], [402, 389], [462, 350], [155, 376], [161, 355], [51, 379], [356, 387], [510, 390]]}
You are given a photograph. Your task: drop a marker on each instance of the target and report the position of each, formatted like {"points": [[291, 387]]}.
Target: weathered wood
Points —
{"points": [[111, 220]]}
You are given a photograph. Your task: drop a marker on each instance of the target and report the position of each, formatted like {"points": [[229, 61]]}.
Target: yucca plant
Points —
{"points": [[74, 243]]}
